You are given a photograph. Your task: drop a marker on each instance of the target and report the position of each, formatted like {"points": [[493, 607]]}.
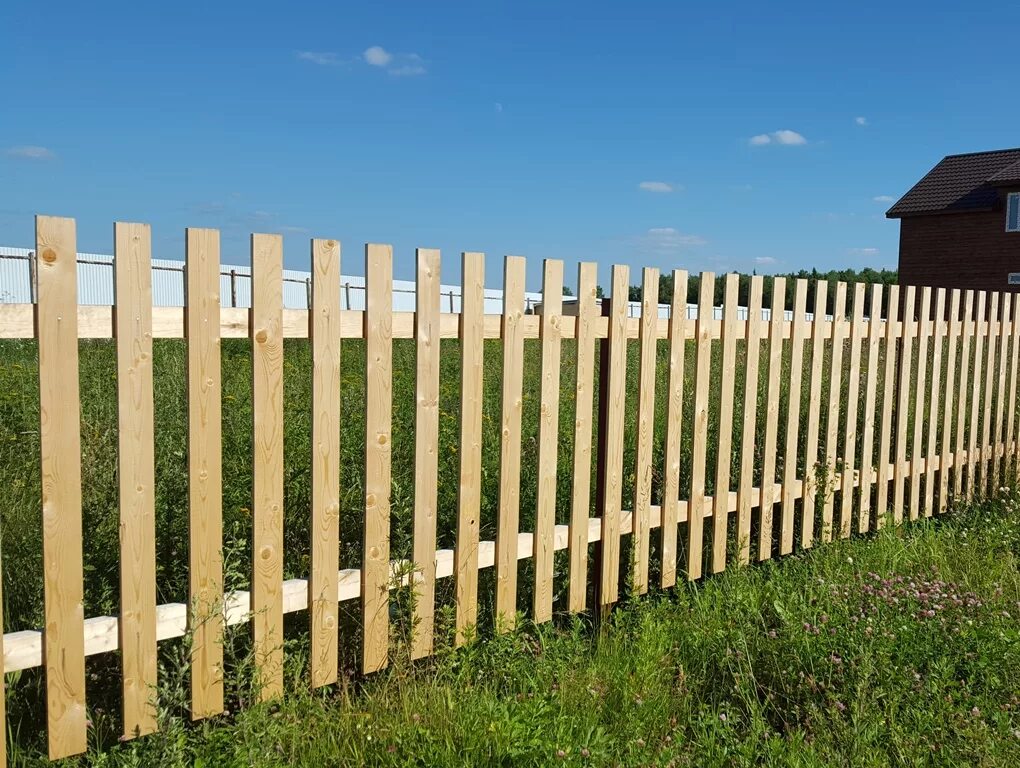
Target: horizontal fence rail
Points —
{"points": [[896, 412]]}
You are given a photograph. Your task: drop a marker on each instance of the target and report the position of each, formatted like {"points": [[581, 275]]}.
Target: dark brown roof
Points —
{"points": [[960, 183]]}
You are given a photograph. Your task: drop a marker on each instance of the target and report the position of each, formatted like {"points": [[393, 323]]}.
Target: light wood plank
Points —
{"points": [[974, 427], [696, 509], [267, 465], [937, 335], [60, 444], [426, 449], [645, 427], [953, 331], [867, 473], [469, 495], [548, 438], [771, 448], [846, 497], [674, 427], [584, 391], [375, 578], [1005, 329], [724, 441], [920, 387], [205, 485], [609, 588], [323, 586], [3, 689], [798, 334], [832, 424], [809, 491], [888, 393], [985, 451], [510, 443], [963, 392], [136, 475], [901, 468], [1011, 439]]}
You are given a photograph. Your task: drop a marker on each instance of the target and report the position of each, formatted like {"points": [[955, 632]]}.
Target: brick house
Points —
{"points": [[960, 224]]}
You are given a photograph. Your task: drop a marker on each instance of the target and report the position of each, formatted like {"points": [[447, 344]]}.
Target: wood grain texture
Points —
{"points": [[267, 464], [548, 438], [963, 394], [616, 393], [867, 473], [770, 448], [510, 444], [205, 471], [985, 451], [1002, 337], [469, 495], [645, 427], [888, 393], [426, 449], [1011, 439], [846, 496], [953, 334], [809, 492], [323, 585], [790, 485], [674, 427], [696, 508], [901, 467], [746, 498], [919, 389], [936, 331], [584, 392], [724, 459], [60, 447], [136, 473], [974, 426], [375, 569], [832, 422]]}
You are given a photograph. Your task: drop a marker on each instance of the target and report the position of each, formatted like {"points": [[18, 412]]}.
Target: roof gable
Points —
{"points": [[960, 183]]}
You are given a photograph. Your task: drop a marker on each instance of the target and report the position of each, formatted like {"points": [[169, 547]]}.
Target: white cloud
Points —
{"points": [[397, 64], [30, 152], [656, 186], [664, 241], [861, 120], [784, 137], [883, 198], [764, 260], [322, 58], [863, 251]]}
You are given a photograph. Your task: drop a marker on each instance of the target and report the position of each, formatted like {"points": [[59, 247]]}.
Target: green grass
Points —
{"points": [[902, 648]]}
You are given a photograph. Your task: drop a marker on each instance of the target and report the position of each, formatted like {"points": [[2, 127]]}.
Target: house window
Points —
{"points": [[1013, 212]]}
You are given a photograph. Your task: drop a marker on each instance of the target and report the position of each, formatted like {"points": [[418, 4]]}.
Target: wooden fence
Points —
{"points": [[922, 349]]}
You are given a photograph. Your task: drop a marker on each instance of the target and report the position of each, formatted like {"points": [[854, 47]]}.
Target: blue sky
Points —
{"points": [[703, 135]]}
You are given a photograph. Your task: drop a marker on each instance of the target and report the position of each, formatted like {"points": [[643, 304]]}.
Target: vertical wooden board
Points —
{"points": [[745, 491], [832, 424], [60, 447], [510, 444], [375, 569], [985, 451], [919, 389], [810, 485], [963, 393], [267, 463], [870, 387], [998, 438], [798, 332], [205, 471], [853, 397], [616, 393], [674, 416], [1011, 443], [934, 404], [771, 447], [469, 498], [724, 460], [584, 391], [136, 473], [953, 331], [3, 685], [645, 424], [974, 427], [548, 438], [323, 587], [426, 448], [699, 453], [903, 404], [888, 392]]}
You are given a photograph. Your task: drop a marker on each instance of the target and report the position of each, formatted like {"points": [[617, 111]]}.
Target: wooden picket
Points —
{"points": [[942, 428]]}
